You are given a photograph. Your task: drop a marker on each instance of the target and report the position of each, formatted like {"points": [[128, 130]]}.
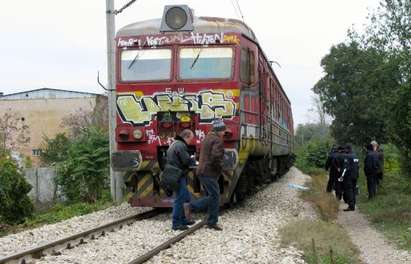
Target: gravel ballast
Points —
{"points": [[30, 238], [250, 234]]}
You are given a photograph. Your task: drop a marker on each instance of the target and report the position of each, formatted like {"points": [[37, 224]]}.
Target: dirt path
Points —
{"points": [[374, 249]]}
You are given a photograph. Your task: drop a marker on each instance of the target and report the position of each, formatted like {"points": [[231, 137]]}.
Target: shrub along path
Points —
{"points": [[374, 249]]}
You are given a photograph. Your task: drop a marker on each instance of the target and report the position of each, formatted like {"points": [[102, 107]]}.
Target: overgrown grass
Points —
{"points": [[326, 235], [325, 203], [57, 213], [390, 210]]}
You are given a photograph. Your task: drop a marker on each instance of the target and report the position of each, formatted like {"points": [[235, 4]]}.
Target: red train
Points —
{"points": [[183, 71]]}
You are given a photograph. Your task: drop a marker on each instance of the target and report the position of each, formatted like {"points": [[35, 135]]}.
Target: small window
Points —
{"points": [[36, 152], [146, 65], [247, 69]]}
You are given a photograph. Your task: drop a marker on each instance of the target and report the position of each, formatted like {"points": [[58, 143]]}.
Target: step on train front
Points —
{"points": [[182, 72]]}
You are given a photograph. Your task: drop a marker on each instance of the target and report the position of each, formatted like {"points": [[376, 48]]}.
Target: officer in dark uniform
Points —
{"points": [[351, 167], [371, 168], [333, 170], [338, 163]]}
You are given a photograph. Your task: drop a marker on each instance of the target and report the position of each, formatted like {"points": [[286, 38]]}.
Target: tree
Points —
{"points": [[13, 132], [15, 205], [353, 91], [55, 150], [83, 176]]}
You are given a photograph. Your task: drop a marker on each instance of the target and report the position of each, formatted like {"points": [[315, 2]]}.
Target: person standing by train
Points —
{"points": [[209, 170], [371, 168], [350, 177], [179, 157], [329, 165]]}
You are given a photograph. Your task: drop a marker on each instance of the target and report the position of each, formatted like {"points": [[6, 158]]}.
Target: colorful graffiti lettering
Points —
{"points": [[195, 38], [208, 104]]}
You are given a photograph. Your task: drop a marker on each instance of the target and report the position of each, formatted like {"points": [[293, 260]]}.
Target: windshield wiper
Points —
{"points": [[134, 60], [196, 59]]}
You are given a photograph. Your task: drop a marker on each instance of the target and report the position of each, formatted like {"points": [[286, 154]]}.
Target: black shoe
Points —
{"points": [[349, 209], [215, 227], [180, 227], [191, 222]]}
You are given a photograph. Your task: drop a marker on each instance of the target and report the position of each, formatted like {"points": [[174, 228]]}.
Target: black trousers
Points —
{"points": [[349, 192], [371, 185], [331, 180], [339, 189]]}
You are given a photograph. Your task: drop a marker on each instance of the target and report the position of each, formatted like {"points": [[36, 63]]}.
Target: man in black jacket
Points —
{"points": [[178, 156], [350, 177], [330, 165], [371, 168]]}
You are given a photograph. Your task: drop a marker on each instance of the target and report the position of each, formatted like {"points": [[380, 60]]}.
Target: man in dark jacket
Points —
{"points": [[350, 177], [329, 165], [338, 164], [178, 156], [208, 171], [371, 168]]}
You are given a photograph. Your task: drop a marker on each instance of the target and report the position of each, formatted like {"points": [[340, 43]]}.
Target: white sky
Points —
{"points": [[61, 43]]}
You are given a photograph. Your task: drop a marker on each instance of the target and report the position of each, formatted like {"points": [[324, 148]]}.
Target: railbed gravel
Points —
{"points": [[30, 238], [250, 234]]}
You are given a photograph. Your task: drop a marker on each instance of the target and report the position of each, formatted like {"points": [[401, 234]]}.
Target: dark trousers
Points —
{"points": [[182, 196], [210, 201], [339, 189], [331, 180], [349, 192], [372, 185]]}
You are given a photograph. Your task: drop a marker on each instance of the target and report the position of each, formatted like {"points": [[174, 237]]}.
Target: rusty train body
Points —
{"points": [[179, 76]]}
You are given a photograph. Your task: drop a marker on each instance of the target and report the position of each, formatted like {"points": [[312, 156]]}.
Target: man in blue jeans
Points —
{"points": [[178, 156], [209, 170]]}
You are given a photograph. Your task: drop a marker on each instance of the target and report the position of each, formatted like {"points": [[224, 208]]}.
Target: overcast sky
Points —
{"points": [[61, 43]]}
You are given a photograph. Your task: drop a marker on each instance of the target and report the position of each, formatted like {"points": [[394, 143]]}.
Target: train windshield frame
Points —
{"points": [[205, 63], [137, 65]]}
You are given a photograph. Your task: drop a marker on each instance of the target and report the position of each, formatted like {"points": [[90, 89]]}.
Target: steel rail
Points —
{"points": [[37, 252], [168, 243]]}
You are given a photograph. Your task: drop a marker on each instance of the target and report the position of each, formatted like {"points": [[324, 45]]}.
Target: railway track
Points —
{"points": [[55, 247], [143, 258]]}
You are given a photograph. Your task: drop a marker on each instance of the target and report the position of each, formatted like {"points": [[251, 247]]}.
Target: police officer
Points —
{"points": [[338, 164], [371, 168], [351, 167], [329, 165]]}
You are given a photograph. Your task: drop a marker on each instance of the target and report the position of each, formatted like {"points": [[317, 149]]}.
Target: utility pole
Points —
{"points": [[116, 180]]}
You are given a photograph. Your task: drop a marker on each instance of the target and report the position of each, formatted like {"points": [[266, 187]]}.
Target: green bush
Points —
{"points": [[83, 176], [15, 205], [313, 154]]}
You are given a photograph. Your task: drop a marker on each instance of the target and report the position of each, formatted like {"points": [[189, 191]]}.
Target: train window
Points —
{"points": [[206, 63], [146, 65], [247, 73]]}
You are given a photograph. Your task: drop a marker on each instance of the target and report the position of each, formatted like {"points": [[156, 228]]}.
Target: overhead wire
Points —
{"points": [[115, 12], [239, 9], [235, 8]]}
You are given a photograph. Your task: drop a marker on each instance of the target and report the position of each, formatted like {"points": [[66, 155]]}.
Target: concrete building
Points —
{"points": [[43, 110]]}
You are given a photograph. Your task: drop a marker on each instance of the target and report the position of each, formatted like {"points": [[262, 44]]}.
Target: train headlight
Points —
{"points": [[177, 18], [137, 133]]}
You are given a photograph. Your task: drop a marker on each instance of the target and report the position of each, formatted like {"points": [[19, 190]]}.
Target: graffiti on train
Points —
{"points": [[208, 104]]}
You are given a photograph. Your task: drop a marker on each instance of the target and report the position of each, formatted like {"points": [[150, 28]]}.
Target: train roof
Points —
{"points": [[201, 25]]}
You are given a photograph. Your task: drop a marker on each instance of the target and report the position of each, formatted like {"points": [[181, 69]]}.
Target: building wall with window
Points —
{"points": [[43, 111]]}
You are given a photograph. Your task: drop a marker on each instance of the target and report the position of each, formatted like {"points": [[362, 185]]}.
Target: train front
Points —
{"points": [[174, 73]]}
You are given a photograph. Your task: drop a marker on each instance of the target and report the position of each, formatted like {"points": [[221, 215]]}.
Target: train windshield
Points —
{"points": [[146, 65], [206, 63]]}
